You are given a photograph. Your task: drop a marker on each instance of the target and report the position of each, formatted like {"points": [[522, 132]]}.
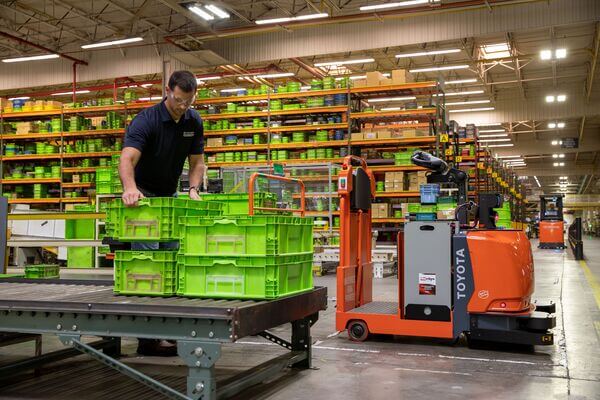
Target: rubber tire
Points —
{"points": [[358, 331]]}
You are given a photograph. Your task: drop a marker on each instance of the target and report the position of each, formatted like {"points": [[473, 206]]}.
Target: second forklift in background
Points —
{"points": [[552, 225]]}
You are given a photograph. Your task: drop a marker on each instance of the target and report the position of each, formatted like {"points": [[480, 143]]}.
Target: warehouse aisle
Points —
{"points": [[385, 367]]}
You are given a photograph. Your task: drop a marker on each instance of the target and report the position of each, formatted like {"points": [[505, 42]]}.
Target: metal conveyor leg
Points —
{"points": [[200, 357]]}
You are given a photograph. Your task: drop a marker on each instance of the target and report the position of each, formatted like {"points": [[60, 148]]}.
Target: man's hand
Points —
{"points": [[194, 194], [131, 196]]}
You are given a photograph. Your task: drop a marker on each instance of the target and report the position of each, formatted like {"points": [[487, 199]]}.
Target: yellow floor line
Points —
{"points": [[592, 281]]}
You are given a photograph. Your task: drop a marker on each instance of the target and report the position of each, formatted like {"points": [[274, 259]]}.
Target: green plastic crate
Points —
{"points": [[446, 206], [103, 188], [414, 207], [80, 228], [80, 257], [246, 235], [237, 203], [428, 208], [148, 273], [154, 219], [243, 277], [503, 214], [104, 174], [504, 224], [41, 271]]}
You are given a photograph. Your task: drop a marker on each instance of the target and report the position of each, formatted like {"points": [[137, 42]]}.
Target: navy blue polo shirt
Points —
{"points": [[164, 145]]}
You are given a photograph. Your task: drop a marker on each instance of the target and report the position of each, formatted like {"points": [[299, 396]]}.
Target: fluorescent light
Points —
{"points": [[560, 53], [290, 19], [232, 90], [474, 109], [551, 125], [112, 43], [494, 140], [491, 130], [217, 11], [554, 155], [556, 142], [397, 4], [495, 135], [546, 54], [391, 109], [491, 124], [501, 145], [19, 98], [150, 98], [508, 157], [560, 125], [345, 62], [277, 75], [458, 81], [463, 93], [207, 78], [514, 160], [70, 93], [427, 53], [536, 181], [561, 97], [550, 99], [461, 103], [561, 156], [564, 177], [559, 164], [386, 99], [444, 68], [201, 13], [355, 77], [308, 87], [520, 164], [31, 58]]}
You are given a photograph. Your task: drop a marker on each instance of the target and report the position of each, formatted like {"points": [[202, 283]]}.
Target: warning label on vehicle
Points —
{"points": [[427, 283]]}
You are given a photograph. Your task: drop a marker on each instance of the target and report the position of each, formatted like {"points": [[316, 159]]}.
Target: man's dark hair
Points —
{"points": [[185, 80]]}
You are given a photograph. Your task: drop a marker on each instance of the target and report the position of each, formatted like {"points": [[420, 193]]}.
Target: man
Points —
{"points": [[158, 141]]}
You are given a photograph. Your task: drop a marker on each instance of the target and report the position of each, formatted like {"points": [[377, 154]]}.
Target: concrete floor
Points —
{"points": [[384, 367]]}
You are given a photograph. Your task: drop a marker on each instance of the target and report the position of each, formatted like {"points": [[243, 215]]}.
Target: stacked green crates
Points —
{"points": [[249, 257], [103, 180], [504, 216], [150, 273], [237, 203], [80, 257]]}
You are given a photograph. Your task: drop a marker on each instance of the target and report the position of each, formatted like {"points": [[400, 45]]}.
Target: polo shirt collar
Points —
{"points": [[166, 117]]}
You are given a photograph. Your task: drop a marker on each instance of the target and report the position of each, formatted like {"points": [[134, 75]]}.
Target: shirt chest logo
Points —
{"points": [[188, 134]]}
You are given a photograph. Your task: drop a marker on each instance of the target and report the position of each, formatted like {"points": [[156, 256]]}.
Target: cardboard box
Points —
{"points": [[374, 77], [398, 186], [359, 83], [445, 214], [385, 82], [400, 76], [389, 186], [409, 133], [421, 132], [383, 210], [357, 136], [384, 134], [370, 135], [214, 142]]}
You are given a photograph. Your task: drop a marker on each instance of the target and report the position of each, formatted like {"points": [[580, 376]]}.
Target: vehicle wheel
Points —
{"points": [[358, 331]]}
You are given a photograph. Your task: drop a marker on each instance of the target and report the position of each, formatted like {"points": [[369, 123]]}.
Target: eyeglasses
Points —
{"points": [[182, 102]]}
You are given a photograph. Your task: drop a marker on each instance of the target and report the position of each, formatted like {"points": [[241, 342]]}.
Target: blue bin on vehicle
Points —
{"points": [[429, 193]]}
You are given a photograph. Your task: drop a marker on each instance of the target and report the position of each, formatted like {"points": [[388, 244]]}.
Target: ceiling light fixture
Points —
{"points": [[276, 75], [232, 90], [290, 19], [491, 130], [560, 53], [556, 142], [217, 11], [459, 81], [508, 157], [345, 62], [560, 125], [463, 93], [19, 98], [388, 99], [536, 181], [559, 164], [546, 54], [494, 135], [462, 103], [501, 145], [70, 93], [201, 13], [207, 78], [561, 98], [112, 43], [494, 140], [397, 4], [152, 98], [443, 68], [427, 53], [31, 58], [473, 109], [550, 99], [391, 109]]}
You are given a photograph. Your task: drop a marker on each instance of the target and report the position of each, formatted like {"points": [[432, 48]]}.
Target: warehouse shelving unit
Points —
{"points": [[59, 139]]}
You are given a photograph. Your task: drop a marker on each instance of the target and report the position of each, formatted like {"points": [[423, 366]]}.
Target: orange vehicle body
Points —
{"points": [[506, 284], [552, 232]]}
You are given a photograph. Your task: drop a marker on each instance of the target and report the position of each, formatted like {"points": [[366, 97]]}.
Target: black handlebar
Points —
{"points": [[426, 160]]}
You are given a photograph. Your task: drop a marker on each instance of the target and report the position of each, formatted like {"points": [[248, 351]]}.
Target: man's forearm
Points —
{"points": [[196, 174], [126, 172]]}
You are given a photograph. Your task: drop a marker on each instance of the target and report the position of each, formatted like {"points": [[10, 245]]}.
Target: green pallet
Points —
{"points": [[42, 271], [237, 203], [155, 218], [246, 235], [147, 273], [80, 257], [243, 277]]}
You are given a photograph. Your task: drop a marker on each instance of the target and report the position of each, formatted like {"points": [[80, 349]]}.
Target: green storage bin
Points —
{"points": [[80, 257], [237, 203], [155, 218], [42, 271], [503, 214], [146, 273], [104, 174], [428, 208], [246, 235], [504, 224], [244, 277], [81, 228], [103, 188], [414, 207]]}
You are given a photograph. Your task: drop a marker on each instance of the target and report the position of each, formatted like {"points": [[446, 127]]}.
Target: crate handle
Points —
{"points": [[142, 256], [225, 221], [131, 226], [225, 262], [155, 280]]}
